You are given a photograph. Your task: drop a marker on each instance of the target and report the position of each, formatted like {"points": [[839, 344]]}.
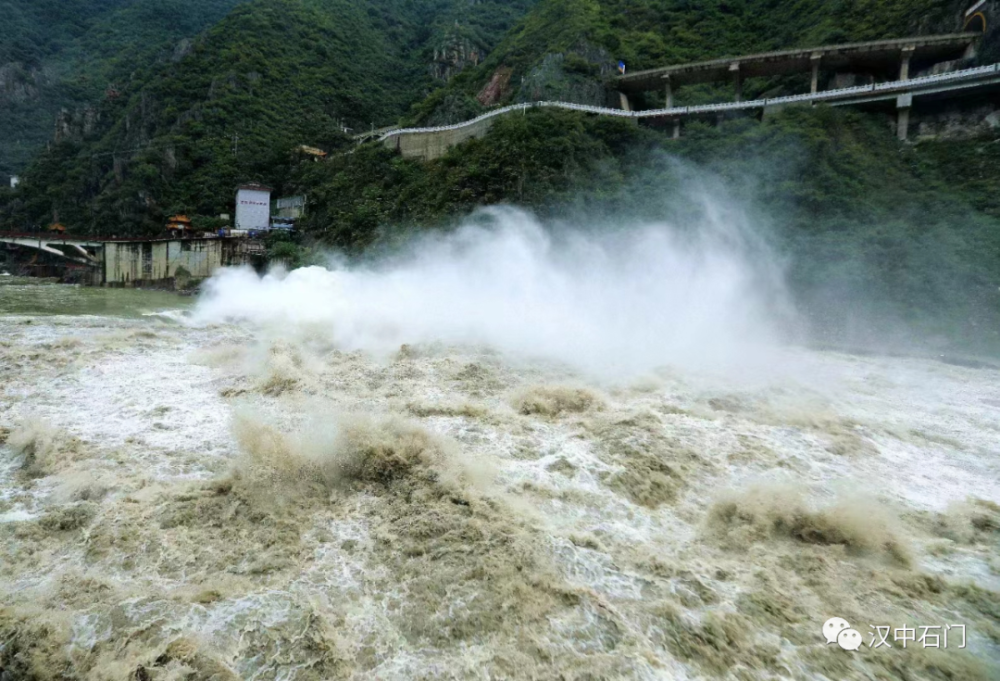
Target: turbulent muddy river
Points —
{"points": [[230, 489]]}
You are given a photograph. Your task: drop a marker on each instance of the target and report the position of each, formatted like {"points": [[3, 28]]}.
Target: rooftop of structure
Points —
{"points": [[876, 54]]}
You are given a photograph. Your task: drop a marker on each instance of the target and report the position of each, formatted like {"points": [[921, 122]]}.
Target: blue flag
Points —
{"points": [[621, 67]]}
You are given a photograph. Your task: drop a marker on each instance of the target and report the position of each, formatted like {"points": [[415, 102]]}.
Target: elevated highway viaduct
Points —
{"points": [[893, 74], [878, 62], [429, 143]]}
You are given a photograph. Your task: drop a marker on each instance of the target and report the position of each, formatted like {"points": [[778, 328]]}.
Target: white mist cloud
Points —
{"points": [[624, 299]]}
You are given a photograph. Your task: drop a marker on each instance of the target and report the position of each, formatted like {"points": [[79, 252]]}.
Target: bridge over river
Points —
{"points": [[899, 73]]}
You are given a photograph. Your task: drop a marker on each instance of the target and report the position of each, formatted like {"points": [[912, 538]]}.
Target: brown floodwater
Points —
{"points": [[237, 500]]}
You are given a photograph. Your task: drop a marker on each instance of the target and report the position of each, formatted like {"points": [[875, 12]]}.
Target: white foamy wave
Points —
{"points": [[626, 298]]}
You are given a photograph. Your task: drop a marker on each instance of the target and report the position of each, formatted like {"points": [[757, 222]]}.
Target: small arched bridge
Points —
{"points": [[79, 251]]}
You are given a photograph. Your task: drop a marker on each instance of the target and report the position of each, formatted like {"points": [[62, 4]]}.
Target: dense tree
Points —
{"points": [[64, 54]]}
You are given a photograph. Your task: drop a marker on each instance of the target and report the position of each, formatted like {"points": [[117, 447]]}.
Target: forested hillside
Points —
{"points": [[884, 243], [883, 239], [181, 133], [68, 54], [57, 54], [558, 50], [182, 127], [905, 233]]}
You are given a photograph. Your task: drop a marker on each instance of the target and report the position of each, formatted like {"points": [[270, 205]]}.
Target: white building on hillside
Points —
{"points": [[253, 207]]}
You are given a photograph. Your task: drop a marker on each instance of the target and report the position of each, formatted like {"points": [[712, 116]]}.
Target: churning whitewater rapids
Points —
{"points": [[509, 452]]}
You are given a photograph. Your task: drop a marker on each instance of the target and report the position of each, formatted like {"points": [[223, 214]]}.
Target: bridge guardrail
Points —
{"points": [[938, 77], [903, 85], [43, 236]]}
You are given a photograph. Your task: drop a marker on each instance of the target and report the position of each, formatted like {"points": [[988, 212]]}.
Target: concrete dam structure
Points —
{"points": [[160, 263]]}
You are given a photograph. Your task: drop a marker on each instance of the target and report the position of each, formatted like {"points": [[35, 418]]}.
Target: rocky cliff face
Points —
{"points": [[955, 121], [76, 124], [575, 76], [452, 53], [494, 91], [20, 83]]}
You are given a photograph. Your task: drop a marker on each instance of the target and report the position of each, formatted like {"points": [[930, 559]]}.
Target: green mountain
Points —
{"points": [[877, 233], [64, 54], [883, 239], [183, 127], [563, 47], [68, 54], [180, 134]]}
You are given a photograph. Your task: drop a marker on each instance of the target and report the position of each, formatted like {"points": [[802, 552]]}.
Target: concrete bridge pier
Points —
{"points": [[904, 63], [903, 105], [815, 59], [677, 128], [623, 98], [670, 92], [734, 68]]}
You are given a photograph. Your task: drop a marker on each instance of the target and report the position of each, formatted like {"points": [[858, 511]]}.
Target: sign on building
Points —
{"points": [[253, 207]]}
